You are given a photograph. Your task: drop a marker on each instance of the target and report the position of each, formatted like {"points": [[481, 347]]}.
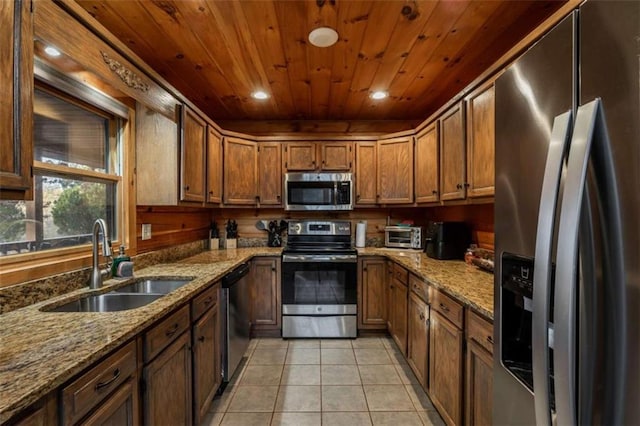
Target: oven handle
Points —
{"points": [[341, 258]]}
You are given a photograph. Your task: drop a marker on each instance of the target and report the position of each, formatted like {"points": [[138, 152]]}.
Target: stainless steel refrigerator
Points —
{"points": [[567, 208]]}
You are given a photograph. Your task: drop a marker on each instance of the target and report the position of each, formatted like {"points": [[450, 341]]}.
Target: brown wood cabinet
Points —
{"points": [[265, 294], [479, 371], [167, 397], [481, 137], [318, 156], [395, 171], [427, 166], [240, 171], [270, 173], [192, 156], [214, 166], [418, 343], [372, 298], [452, 154], [206, 357], [365, 173], [16, 104], [398, 297], [42, 413], [445, 367], [120, 409]]}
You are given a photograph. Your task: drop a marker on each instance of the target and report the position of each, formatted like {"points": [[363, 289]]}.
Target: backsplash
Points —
{"points": [[24, 294]]}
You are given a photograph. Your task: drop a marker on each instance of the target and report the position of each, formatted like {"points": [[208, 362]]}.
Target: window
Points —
{"points": [[76, 177]]}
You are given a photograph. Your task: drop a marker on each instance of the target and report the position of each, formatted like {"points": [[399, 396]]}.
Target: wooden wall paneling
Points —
{"points": [[479, 216], [53, 25], [320, 60], [427, 165], [171, 226], [270, 173], [365, 173], [214, 166], [318, 127]]}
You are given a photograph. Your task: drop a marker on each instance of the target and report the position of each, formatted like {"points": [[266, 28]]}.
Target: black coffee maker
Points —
{"points": [[447, 240]]}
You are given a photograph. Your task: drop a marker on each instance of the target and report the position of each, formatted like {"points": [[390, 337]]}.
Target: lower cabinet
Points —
{"points": [[265, 294], [42, 413], [120, 409], [398, 313], [167, 391], [418, 343], [372, 298], [479, 371], [445, 367]]}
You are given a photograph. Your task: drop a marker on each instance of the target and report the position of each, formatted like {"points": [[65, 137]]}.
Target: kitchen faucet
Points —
{"points": [[99, 226]]}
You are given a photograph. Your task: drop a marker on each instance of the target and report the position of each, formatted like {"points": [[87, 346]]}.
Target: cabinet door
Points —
{"points": [[192, 148], [167, 385], [214, 166], [43, 413], [300, 156], [399, 313], [240, 171], [365, 173], [121, 408], [452, 154], [336, 156], [206, 362], [265, 293], [395, 171], [427, 165], [16, 103], [270, 172], [418, 344], [481, 138], [445, 368], [479, 385], [373, 301]]}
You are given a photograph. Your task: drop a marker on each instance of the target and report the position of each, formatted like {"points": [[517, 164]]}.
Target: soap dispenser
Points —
{"points": [[121, 257]]}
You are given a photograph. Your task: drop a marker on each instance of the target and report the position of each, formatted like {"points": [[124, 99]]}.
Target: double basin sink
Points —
{"points": [[134, 295]]}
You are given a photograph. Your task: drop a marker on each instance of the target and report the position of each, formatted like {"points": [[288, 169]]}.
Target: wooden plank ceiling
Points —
{"points": [[218, 52]]}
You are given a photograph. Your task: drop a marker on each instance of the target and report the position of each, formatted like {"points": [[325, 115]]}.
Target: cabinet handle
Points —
{"points": [[201, 339], [391, 286], [444, 307], [358, 197], [421, 316], [466, 184], [273, 269], [101, 385], [434, 192], [278, 197], [257, 198], [490, 339], [459, 186], [170, 332], [207, 300], [186, 187], [210, 192]]}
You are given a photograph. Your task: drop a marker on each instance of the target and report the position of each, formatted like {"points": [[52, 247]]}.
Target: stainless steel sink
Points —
{"points": [[153, 286], [110, 302]]}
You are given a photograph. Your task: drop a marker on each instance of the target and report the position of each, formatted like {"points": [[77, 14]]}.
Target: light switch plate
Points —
{"points": [[146, 231]]}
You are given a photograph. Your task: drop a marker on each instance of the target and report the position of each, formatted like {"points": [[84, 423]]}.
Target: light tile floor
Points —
{"points": [[365, 381]]}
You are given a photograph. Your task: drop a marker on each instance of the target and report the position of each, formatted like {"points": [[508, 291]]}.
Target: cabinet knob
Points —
{"points": [[186, 187], [421, 316], [201, 339], [358, 197], [210, 192], [434, 192], [459, 186], [444, 307], [466, 185], [278, 197]]}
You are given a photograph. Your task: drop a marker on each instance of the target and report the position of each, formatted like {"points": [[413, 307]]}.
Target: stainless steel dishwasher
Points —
{"points": [[235, 316]]}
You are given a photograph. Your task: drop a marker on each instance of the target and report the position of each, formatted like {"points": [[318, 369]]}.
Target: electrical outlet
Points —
{"points": [[146, 231]]}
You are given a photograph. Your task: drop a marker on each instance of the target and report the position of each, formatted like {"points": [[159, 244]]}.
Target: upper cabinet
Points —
{"points": [[365, 173], [16, 103], [270, 173], [427, 164], [452, 154], [318, 156], [240, 171], [214, 166], [481, 141], [395, 171], [192, 159]]}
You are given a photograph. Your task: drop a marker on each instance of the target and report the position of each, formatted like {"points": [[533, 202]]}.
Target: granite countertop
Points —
{"points": [[466, 283], [40, 351]]}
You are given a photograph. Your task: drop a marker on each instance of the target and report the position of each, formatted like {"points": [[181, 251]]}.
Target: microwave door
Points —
{"points": [[311, 193]]}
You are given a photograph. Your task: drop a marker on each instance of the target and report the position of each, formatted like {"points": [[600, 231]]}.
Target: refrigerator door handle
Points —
{"points": [[590, 147], [560, 135]]}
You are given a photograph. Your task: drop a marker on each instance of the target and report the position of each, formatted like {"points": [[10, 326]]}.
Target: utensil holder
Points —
{"points": [[231, 243]]}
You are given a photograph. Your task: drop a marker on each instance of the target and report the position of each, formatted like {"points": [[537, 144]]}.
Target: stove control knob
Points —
{"points": [[319, 309]]}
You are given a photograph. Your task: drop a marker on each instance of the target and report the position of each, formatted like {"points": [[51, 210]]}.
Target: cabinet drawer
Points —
{"points": [[447, 306], [480, 330], [419, 287], [86, 392], [400, 274], [159, 337], [204, 301]]}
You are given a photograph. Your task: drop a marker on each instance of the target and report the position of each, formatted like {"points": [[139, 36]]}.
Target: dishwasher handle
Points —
{"points": [[235, 275]]}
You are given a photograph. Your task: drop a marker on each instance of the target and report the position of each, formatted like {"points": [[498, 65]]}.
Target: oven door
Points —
{"points": [[319, 284]]}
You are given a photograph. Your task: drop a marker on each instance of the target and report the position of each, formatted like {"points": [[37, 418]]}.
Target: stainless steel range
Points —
{"points": [[319, 280]]}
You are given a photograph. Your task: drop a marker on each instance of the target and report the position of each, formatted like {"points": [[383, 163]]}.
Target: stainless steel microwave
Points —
{"points": [[318, 191], [403, 237]]}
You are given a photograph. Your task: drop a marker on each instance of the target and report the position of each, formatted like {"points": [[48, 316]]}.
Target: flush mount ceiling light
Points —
{"points": [[52, 51], [379, 95], [323, 37], [259, 94]]}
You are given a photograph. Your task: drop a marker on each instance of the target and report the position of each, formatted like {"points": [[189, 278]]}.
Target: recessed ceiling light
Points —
{"points": [[379, 95], [323, 37], [259, 94], [52, 51]]}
